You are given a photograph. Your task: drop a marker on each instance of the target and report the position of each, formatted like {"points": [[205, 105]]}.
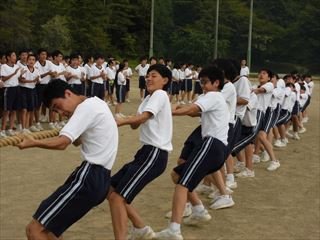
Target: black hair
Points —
{"points": [[56, 53], [302, 87], [289, 84], [226, 65], [214, 74], [23, 51], [125, 60], [143, 58], [268, 71], [73, 56], [167, 61], [152, 58], [9, 53], [237, 65], [56, 89], [163, 71], [97, 56], [40, 50], [121, 67], [176, 66], [110, 62], [31, 55]]}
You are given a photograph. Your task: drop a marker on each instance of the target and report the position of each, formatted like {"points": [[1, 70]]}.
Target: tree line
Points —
{"points": [[285, 32]]}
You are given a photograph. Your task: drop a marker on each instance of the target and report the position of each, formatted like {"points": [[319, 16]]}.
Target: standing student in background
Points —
{"points": [[244, 68], [120, 80], [187, 83], [110, 83], [174, 85], [197, 90], [181, 81], [97, 78], [87, 66], [142, 69], [128, 73], [74, 73]]}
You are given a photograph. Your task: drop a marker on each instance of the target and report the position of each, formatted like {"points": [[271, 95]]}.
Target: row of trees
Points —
{"points": [[285, 33]]}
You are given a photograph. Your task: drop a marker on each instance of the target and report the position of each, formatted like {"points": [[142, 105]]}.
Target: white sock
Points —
{"points": [[198, 208], [139, 229], [230, 177], [175, 227]]}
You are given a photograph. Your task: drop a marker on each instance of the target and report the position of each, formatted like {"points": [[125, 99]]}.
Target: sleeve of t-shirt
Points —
{"points": [[243, 89], [137, 68], [155, 102], [206, 103], [268, 87], [253, 102], [226, 92], [80, 121]]}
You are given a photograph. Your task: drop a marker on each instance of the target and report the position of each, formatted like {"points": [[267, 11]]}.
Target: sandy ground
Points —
{"points": [[274, 205]]}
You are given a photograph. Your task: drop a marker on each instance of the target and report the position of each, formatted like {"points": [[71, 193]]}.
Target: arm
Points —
{"points": [[259, 90], [23, 80], [57, 143], [134, 121], [191, 110], [77, 142], [241, 101], [5, 78]]}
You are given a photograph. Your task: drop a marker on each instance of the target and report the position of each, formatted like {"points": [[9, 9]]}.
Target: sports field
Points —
{"points": [[279, 205]]}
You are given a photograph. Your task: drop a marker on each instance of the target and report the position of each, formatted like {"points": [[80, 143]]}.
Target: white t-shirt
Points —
{"points": [[243, 90], [7, 70], [87, 68], [127, 72], [293, 100], [244, 71], [30, 76], [142, 70], [277, 97], [230, 95], [187, 72], [157, 131], [305, 84], [214, 116], [95, 71], [76, 72], [181, 74], [303, 99], [175, 75], [93, 122], [264, 99], [59, 68], [287, 99], [121, 80], [250, 116], [111, 73], [195, 76], [281, 83], [311, 86], [20, 64], [298, 88], [47, 67]]}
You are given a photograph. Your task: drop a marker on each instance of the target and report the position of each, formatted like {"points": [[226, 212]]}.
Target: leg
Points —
{"points": [[35, 231], [12, 118], [4, 119], [134, 217]]}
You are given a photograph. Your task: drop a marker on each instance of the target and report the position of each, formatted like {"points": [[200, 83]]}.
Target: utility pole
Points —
{"points": [[250, 36], [216, 33], [151, 29]]}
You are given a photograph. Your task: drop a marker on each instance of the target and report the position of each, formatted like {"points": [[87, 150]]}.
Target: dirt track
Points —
{"points": [[272, 206]]}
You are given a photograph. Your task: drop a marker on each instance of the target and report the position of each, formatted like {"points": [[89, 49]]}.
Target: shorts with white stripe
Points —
{"points": [[97, 90], [284, 117], [236, 135], [85, 188], [267, 120], [121, 93], [296, 108], [276, 115], [206, 158], [194, 139], [149, 163]]}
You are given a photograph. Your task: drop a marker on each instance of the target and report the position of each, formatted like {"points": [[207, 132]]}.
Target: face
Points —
{"points": [[153, 61], [263, 77], [75, 62], [161, 61], [12, 58], [126, 64], [23, 57], [58, 58], [207, 86], [43, 56], [155, 81], [144, 62], [243, 62], [64, 106], [99, 61], [307, 79], [31, 61]]}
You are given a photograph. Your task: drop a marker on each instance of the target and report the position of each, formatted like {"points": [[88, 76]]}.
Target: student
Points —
{"points": [[74, 74], [181, 81], [120, 79], [308, 84], [187, 83], [87, 66], [161, 61], [110, 83], [28, 80], [153, 60], [83, 75], [97, 78], [155, 122], [296, 110], [197, 90], [264, 94], [92, 126], [128, 73], [208, 157], [174, 85], [142, 69], [10, 73], [169, 64], [244, 68]]}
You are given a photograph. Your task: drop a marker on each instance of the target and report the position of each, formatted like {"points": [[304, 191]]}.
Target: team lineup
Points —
{"points": [[237, 119]]}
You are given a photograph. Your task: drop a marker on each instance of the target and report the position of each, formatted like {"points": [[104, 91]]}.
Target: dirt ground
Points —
{"points": [[273, 206]]}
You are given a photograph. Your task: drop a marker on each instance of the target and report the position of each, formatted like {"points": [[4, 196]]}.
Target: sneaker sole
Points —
{"points": [[223, 206]]}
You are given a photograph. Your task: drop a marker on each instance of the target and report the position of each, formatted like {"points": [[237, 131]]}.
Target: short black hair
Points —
{"points": [[73, 56], [32, 55], [269, 72], [40, 50], [214, 74], [23, 51], [56, 89], [9, 53], [228, 68], [97, 56], [163, 71], [56, 53], [289, 84]]}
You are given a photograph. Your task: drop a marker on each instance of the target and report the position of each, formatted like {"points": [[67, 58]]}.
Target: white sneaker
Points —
{"points": [[122, 115], [34, 129], [197, 218], [217, 193], [186, 213], [128, 100], [246, 173], [296, 136], [43, 118], [274, 165], [168, 234], [39, 126], [118, 115], [231, 184], [265, 157], [143, 233], [285, 140], [182, 102], [52, 126], [204, 189], [223, 201], [3, 134], [289, 134], [10, 132], [291, 128], [256, 158], [305, 120], [302, 130], [238, 167], [26, 131], [280, 144]]}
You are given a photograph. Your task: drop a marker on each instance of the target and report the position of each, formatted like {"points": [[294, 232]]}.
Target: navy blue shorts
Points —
{"points": [[276, 115], [267, 122], [186, 85], [307, 103], [296, 109], [110, 86], [11, 99], [1, 98], [194, 139], [149, 163], [174, 88], [28, 98], [142, 82], [40, 90], [121, 93], [85, 188], [284, 117], [208, 157], [197, 89], [97, 90], [236, 134], [78, 88], [231, 139], [127, 85]]}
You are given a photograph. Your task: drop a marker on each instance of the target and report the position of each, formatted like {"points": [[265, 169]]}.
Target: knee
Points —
{"points": [[114, 197], [174, 177], [181, 161], [33, 229]]}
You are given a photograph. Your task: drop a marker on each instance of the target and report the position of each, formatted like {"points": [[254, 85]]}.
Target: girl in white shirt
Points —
{"points": [[120, 80]]}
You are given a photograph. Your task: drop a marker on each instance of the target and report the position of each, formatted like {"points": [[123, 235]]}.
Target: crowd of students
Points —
{"points": [[239, 124]]}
